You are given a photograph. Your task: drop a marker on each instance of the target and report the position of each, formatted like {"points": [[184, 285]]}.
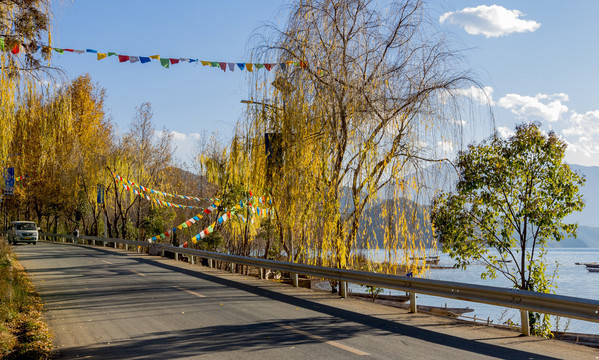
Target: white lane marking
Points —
{"points": [[106, 261], [190, 292], [138, 273], [330, 342]]}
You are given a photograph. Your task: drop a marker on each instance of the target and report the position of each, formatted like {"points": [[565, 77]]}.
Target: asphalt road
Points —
{"points": [[111, 304]]}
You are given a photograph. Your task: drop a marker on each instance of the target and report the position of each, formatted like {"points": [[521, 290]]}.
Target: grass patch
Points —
{"points": [[23, 335]]}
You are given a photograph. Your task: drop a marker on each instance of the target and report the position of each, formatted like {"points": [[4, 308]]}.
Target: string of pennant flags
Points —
{"points": [[164, 61], [153, 191], [187, 223], [228, 214], [253, 204], [131, 186]]}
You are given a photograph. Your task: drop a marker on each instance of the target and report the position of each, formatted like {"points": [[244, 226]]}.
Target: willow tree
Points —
{"points": [[359, 92], [24, 25], [141, 155]]}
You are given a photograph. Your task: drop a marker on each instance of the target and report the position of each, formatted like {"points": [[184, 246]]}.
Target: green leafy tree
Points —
{"points": [[511, 199]]}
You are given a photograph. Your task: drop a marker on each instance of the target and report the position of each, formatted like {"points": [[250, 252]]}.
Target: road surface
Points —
{"points": [[103, 303]]}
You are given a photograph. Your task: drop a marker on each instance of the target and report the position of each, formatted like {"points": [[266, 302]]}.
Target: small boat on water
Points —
{"points": [[429, 259], [593, 269], [591, 265]]}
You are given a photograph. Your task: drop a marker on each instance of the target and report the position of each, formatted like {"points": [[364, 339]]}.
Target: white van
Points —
{"points": [[22, 231]]}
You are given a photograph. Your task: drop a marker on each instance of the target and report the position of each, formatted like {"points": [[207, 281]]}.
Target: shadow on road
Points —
{"points": [[255, 337]]}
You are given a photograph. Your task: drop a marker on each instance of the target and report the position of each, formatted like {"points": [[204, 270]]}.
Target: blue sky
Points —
{"points": [[536, 58]]}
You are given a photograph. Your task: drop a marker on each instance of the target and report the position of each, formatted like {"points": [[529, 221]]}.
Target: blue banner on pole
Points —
{"points": [[9, 181], [100, 194]]}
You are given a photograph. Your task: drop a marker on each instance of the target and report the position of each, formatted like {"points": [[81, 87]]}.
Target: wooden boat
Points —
{"points": [[592, 265], [429, 259], [399, 301]]}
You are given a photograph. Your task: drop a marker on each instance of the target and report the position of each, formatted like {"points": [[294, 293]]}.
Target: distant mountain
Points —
{"points": [[588, 232], [587, 237]]}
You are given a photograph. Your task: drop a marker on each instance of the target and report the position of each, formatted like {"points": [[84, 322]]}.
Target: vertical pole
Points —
{"points": [[343, 289], [261, 273], [210, 263], [192, 259], [525, 327], [295, 279], [232, 268], [413, 306], [105, 226]]}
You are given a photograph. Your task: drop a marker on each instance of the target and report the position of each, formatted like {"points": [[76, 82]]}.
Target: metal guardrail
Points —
{"points": [[567, 306]]}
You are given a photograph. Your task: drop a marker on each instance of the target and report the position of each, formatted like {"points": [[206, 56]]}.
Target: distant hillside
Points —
{"points": [[373, 222], [587, 237], [444, 178]]}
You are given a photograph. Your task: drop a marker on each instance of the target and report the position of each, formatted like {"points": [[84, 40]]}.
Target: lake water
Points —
{"points": [[574, 280]]}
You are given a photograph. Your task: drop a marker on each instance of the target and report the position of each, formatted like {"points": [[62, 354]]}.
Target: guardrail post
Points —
{"points": [[295, 279], [343, 289], [115, 245], [413, 306], [261, 273], [525, 327], [192, 259], [210, 263], [232, 267]]}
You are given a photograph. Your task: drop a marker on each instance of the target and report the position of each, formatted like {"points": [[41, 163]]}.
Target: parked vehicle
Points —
{"points": [[22, 231]]}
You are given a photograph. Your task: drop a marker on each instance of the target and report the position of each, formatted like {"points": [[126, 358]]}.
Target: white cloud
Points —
{"points": [[505, 132], [582, 136], [184, 143], [177, 136], [548, 108], [490, 21], [483, 96]]}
